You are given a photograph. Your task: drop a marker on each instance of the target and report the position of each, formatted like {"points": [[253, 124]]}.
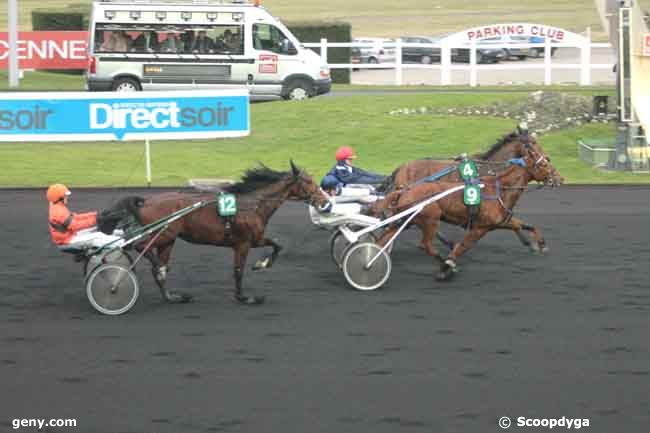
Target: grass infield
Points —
{"points": [[307, 132]]}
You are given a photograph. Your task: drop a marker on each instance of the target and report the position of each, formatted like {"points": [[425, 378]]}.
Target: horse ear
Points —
{"points": [[294, 170]]}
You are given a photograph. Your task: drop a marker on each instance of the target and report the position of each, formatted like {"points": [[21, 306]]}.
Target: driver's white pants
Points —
{"points": [[93, 238]]}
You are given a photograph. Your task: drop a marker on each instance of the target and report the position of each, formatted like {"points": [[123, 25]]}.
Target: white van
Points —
{"points": [[160, 45]]}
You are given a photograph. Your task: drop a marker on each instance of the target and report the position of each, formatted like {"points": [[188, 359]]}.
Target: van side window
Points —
{"points": [[169, 39], [270, 38], [228, 39]]}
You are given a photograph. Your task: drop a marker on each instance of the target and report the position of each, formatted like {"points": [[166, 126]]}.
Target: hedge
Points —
{"points": [[308, 32], [74, 17]]}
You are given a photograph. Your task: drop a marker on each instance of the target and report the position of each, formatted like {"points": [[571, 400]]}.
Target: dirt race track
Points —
{"points": [[514, 334]]}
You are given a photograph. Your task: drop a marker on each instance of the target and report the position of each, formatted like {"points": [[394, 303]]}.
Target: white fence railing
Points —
{"points": [[446, 66]]}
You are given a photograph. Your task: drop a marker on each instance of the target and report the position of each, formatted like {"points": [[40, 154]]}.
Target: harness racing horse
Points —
{"points": [[260, 193], [513, 145], [499, 197]]}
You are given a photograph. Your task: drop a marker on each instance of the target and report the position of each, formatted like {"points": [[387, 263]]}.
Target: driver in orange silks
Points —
{"points": [[73, 229]]}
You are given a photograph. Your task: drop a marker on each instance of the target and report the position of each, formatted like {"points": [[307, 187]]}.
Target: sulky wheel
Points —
{"points": [[338, 245], [117, 256], [112, 289], [357, 270]]}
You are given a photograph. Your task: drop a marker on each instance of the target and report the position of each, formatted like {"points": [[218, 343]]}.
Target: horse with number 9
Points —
{"points": [[514, 145], [495, 209]]}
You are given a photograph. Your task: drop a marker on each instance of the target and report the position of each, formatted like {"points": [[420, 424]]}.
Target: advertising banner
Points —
{"points": [[47, 50], [83, 116]]}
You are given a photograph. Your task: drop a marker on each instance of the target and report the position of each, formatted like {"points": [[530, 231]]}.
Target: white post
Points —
{"points": [[585, 60], [323, 50], [398, 60], [12, 22], [445, 64], [547, 62], [472, 65], [147, 152]]}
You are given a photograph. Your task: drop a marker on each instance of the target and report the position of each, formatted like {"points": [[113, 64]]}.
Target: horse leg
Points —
{"points": [[160, 275], [386, 235], [268, 261], [445, 240], [429, 230], [240, 255], [449, 266], [517, 225]]}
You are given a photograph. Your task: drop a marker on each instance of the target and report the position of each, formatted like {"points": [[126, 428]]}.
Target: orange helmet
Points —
{"points": [[345, 152], [57, 192]]}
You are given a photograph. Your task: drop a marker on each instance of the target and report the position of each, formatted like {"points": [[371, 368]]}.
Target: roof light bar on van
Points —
{"points": [[135, 15], [186, 16], [109, 15], [212, 16], [161, 15], [237, 16]]}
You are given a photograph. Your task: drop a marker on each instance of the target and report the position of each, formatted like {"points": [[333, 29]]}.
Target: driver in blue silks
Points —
{"points": [[347, 174]]}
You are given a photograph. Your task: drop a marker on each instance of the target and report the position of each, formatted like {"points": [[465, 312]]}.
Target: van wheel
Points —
{"points": [[373, 61], [126, 85], [299, 90]]}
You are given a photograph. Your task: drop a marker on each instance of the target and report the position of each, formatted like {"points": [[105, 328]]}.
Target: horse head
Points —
{"points": [[302, 187], [541, 162], [538, 167]]}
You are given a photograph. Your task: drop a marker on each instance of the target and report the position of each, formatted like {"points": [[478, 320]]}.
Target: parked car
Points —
{"points": [[424, 55], [520, 53], [483, 55], [374, 51], [539, 51]]}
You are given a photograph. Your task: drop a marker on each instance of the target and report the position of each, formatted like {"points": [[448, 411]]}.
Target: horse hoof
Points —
{"points": [[178, 298], [544, 250], [249, 300], [262, 264]]}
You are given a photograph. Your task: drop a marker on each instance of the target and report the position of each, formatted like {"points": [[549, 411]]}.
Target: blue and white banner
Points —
{"points": [[83, 116]]}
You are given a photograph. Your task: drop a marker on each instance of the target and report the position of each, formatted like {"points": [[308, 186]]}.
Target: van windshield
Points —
{"points": [[270, 38], [169, 39]]}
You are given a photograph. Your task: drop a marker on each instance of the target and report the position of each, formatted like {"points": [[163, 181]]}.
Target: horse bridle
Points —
{"points": [[311, 200]]}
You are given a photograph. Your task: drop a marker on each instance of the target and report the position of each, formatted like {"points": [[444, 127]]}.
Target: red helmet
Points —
{"points": [[57, 192], [345, 152]]}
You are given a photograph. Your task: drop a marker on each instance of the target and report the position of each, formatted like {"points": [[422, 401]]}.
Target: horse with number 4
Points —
{"points": [[483, 205], [243, 211], [492, 162]]}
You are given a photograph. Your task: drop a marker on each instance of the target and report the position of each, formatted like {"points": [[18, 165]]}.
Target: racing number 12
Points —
{"points": [[227, 205]]}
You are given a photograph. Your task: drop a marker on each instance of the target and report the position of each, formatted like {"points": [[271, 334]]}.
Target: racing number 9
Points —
{"points": [[472, 195]]}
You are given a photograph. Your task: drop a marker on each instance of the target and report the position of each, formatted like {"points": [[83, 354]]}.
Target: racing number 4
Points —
{"points": [[468, 170]]}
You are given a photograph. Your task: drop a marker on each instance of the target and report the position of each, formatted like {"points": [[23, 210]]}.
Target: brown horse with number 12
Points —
{"points": [[261, 192]]}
